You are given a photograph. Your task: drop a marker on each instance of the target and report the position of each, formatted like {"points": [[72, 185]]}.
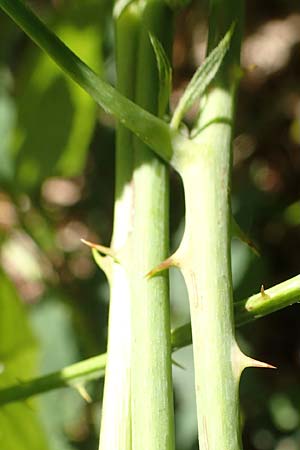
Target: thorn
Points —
{"points": [[255, 363], [107, 251], [263, 293], [177, 364], [242, 361], [83, 393], [172, 261]]}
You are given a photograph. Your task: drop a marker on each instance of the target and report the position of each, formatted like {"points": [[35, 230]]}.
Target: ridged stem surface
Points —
{"points": [[152, 402], [205, 251], [115, 431], [138, 389]]}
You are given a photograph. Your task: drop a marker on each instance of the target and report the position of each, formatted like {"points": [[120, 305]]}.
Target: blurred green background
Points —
{"points": [[56, 186]]}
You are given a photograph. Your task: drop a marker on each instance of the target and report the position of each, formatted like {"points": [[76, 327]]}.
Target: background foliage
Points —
{"points": [[56, 175]]}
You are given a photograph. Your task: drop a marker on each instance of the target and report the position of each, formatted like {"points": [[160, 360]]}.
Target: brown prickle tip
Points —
{"points": [[166, 264], [100, 248], [92, 244]]}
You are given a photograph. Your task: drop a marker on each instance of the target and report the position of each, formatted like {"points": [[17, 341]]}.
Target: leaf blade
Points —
{"points": [[202, 78], [165, 75]]}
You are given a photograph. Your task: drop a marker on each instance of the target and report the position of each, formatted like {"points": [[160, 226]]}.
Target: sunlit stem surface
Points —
{"points": [[205, 251], [151, 386]]}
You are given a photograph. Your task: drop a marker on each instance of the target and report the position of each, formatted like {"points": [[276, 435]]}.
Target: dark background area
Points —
{"points": [[57, 184]]}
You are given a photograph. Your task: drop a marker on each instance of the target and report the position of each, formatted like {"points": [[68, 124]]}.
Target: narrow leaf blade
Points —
{"points": [[165, 75], [202, 78]]}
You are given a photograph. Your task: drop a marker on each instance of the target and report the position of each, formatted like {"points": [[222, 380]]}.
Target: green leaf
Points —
{"points": [[165, 75], [153, 131], [201, 79], [20, 428], [56, 117]]}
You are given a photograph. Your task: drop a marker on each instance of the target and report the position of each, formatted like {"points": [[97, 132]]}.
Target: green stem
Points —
{"points": [[206, 269], [268, 301], [115, 431], [72, 375], [152, 397], [204, 255], [254, 307], [152, 130]]}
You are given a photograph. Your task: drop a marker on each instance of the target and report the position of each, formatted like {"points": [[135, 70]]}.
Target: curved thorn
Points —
{"points": [[172, 261], [107, 251]]}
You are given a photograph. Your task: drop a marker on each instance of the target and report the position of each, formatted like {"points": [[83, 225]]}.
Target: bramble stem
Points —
{"points": [[204, 254], [151, 382], [147, 405], [115, 431]]}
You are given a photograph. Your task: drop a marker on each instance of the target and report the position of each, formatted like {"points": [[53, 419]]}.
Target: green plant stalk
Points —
{"points": [[254, 307], [115, 431], [204, 254], [205, 266], [151, 383], [74, 375], [268, 301]]}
